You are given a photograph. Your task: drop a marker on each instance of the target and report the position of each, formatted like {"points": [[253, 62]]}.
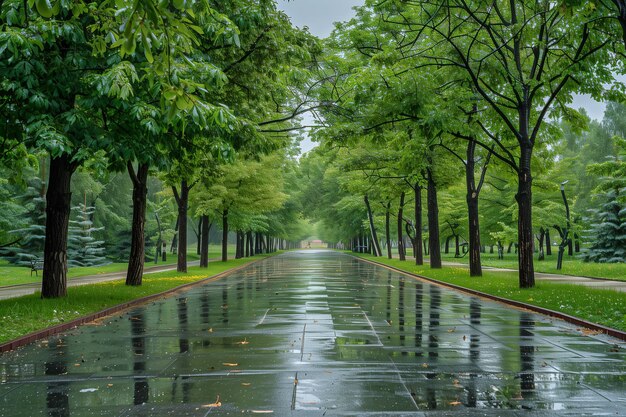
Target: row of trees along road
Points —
{"points": [[452, 100], [435, 88], [178, 88]]}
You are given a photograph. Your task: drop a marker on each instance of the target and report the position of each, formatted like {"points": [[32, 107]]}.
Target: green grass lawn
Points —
{"points": [[26, 314], [13, 275], [604, 307]]}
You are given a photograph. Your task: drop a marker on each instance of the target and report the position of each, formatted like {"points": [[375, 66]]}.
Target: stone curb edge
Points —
{"points": [[60, 328], [618, 334]]}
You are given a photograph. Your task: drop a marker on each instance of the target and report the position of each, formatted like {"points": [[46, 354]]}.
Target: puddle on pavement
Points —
{"points": [[313, 333]]}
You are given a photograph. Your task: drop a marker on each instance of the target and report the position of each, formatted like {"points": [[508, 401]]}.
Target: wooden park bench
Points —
{"points": [[36, 265]]}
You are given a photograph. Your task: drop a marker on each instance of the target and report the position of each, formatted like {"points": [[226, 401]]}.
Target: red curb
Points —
{"points": [[618, 334], [60, 328]]}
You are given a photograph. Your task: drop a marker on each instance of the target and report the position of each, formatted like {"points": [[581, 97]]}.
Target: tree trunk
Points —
{"points": [[457, 253], [183, 202], [138, 233], [434, 247], [248, 242], [524, 223], [540, 240], [174, 245], [472, 212], [570, 247], [157, 252], [225, 235], [199, 237], [419, 253], [548, 242], [204, 241], [387, 230], [240, 242], [58, 204], [376, 243], [446, 246], [401, 250]]}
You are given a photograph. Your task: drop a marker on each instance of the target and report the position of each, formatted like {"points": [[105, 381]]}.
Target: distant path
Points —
{"points": [[12, 291]]}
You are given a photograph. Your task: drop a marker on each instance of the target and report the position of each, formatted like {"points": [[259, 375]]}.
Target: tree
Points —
{"points": [[608, 223], [83, 248], [538, 56], [239, 191], [608, 230]]}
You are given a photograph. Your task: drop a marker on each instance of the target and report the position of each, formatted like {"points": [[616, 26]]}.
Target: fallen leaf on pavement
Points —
{"points": [[217, 403]]}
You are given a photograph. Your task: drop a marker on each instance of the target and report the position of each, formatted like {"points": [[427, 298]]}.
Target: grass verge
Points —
{"points": [[27, 314], [605, 307]]}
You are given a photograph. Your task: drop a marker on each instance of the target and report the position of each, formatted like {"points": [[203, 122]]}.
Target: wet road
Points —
{"points": [[318, 333]]}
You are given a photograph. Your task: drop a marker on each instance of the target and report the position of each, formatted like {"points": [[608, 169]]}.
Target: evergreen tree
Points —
{"points": [[83, 248], [29, 236], [608, 224], [608, 231]]}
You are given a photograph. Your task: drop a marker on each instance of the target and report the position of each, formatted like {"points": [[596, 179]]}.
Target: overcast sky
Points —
{"points": [[318, 15]]}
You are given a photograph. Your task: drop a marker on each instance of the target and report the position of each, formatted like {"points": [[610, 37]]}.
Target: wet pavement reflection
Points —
{"points": [[315, 333]]}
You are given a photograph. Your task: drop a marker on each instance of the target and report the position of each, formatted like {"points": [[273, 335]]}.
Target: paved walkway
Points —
{"points": [[12, 291], [318, 333]]}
